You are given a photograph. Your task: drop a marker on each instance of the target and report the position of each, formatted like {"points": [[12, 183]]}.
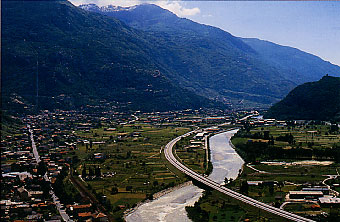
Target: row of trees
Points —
{"points": [[251, 151], [66, 192], [93, 172]]}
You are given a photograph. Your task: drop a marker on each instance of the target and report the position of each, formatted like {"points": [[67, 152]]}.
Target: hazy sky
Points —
{"points": [[312, 26]]}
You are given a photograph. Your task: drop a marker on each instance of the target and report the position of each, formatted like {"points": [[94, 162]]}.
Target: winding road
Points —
{"points": [[171, 158]]}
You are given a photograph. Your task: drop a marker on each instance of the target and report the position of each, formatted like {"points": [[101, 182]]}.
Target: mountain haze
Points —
{"points": [[297, 65]]}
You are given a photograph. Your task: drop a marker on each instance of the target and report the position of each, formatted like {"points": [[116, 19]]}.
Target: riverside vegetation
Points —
{"points": [[289, 158]]}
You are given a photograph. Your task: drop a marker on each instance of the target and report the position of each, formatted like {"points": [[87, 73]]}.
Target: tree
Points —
{"points": [[271, 190], [336, 151], [114, 190], [244, 187], [334, 128], [98, 172], [91, 173], [42, 168], [128, 188], [266, 135], [128, 154], [75, 159], [83, 173]]}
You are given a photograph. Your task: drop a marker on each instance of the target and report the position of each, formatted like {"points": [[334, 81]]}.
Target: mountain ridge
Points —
{"points": [[214, 61], [282, 74], [302, 66], [318, 100], [82, 57]]}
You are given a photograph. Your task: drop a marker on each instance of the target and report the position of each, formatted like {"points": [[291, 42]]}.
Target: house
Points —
{"points": [[212, 130], [36, 193], [80, 208], [85, 216], [24, 194], [99, 156], [99, 217], [109, 129], [6, 168]]}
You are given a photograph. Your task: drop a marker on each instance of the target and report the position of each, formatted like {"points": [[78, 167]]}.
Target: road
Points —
{"points": [[34, 147], [56, 201], [171, 158]]}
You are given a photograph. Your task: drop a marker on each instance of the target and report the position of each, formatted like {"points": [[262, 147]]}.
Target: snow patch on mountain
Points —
{"points": [[108, 8]]}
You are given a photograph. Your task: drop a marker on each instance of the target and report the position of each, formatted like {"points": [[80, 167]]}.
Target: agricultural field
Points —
{"points": [[129, 162], [192, 153], [280, 159], [213, 206]]}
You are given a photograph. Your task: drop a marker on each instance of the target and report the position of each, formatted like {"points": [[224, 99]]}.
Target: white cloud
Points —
{"points": [[173, 6], [177, 8]]}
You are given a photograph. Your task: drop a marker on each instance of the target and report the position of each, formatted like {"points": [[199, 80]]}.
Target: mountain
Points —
{"points": [[57, 55], [227, 67], [297, 65], [76, 58], [204, 59], [311, 101]]}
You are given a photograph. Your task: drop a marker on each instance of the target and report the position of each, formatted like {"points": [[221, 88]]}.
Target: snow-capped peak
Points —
{"points": [[108, 8]]}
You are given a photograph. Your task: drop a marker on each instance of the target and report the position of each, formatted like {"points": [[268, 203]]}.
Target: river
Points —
{"points": [[171, 207]]}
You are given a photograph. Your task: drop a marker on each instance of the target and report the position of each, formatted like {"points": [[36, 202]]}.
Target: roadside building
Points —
{"points": [[324, 190], [305, 194], [99, 217], [329, 201], [254, 183], [199, 136], [84, 216]]}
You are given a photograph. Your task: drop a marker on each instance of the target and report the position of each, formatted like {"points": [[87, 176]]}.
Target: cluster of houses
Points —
{"points": [[27, 191], [320, 196], [84, 212], [23, 190]]}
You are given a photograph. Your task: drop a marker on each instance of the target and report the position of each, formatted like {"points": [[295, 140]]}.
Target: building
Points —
{"points": [[329, 201], [324, 190], [199, 136], [254, 183], [305, 194]]}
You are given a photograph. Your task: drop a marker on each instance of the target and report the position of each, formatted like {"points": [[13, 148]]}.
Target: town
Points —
{"points": [[82, 165]]}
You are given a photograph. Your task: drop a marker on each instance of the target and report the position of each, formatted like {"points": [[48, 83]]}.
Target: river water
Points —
{"points": [[171, 207]]}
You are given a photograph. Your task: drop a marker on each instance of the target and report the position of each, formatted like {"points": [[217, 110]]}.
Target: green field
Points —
{"points": [[132, 158], [293, 173], [193, 156]]}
